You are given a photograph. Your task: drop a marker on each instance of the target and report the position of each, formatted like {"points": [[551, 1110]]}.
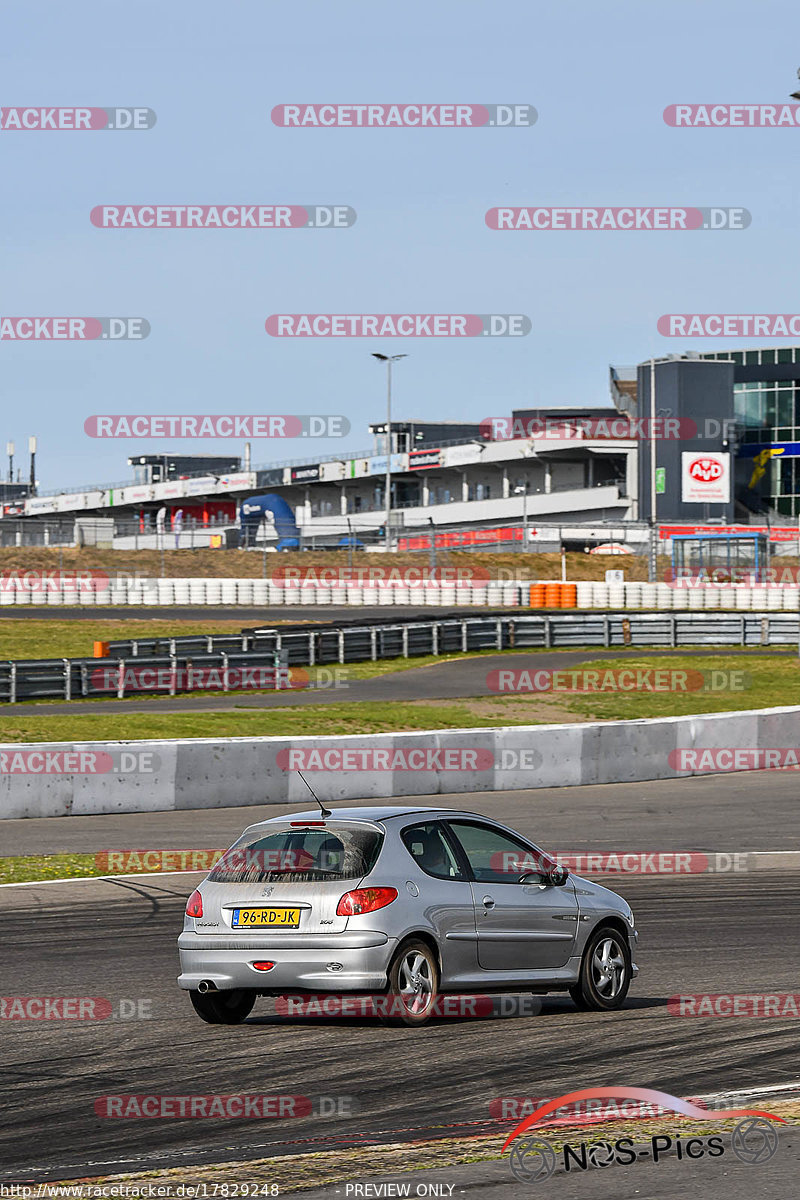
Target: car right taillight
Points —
{"points": [[194, 905], [365, 900]]}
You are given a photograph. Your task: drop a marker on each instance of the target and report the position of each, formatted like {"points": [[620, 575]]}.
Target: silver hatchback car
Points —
{"points": [[404, 902]]}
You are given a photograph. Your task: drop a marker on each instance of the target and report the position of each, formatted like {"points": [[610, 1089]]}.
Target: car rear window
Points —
{"points": [[337, 852]]}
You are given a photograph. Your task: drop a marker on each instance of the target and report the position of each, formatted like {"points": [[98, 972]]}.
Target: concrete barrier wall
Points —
{"points": [[205, 773]]}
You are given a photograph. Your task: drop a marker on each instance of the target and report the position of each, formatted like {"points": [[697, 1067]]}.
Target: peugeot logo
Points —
{"points": [[267, 891]]}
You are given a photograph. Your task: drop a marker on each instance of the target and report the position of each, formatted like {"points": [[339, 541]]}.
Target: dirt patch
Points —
{"points": [[526, 712]]}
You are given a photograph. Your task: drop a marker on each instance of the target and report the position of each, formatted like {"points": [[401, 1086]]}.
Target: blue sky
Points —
{"points": [[599, 76]]}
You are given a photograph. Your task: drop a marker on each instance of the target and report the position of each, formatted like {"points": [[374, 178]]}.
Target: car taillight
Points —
{"points": [[194, 905], [365, 900]]}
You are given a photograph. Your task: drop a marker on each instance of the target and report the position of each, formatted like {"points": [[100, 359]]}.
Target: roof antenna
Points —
{"points": [[326, 812]]}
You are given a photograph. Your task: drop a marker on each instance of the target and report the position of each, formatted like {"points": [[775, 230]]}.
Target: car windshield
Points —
{"points": [[296, 855]]}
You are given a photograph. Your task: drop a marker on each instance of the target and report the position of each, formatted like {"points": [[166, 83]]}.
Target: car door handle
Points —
{"points": [[488, 902]]}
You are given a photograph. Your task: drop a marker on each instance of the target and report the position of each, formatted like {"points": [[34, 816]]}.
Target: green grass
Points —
{"points": [[763, 682], [24, 868], [32, 638]]}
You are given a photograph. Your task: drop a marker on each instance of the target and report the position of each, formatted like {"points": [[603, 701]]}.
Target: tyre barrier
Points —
{"points": [[227, 593]]}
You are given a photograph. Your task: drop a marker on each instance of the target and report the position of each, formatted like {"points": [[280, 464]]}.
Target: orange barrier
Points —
{"points": [[100, 650], [553, 595]]}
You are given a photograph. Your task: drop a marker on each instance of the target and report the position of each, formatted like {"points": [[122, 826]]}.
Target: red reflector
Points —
{"points": [[194, 905], [365, 900], [306, 824], [263, 966]]}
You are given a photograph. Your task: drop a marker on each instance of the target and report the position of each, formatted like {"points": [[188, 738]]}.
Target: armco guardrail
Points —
{"points": [[228, 662], [206, 773]]}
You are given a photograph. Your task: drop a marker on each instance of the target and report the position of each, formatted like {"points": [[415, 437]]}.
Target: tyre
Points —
{"points": [[413, 986], [223, 1008], [605, 972]]}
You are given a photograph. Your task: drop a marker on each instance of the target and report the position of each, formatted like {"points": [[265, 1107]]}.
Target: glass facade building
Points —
{"points": [[767, 411]]}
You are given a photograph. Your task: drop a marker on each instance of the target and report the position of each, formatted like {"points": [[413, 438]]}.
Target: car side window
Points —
{"points": [[495, 857], [429, 848]]}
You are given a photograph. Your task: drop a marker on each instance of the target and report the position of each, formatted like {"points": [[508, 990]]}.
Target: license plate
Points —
{"points": [[283, 918]]}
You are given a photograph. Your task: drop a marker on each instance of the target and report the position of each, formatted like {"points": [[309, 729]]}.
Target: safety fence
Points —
{"points": [[262, 659]]}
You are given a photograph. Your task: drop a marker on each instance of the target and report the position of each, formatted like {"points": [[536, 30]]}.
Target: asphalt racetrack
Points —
{"points": [[116, 938], [454, 679]]}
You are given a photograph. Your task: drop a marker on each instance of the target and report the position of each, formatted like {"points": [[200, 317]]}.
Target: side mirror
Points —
{"points": [[558, 876]]}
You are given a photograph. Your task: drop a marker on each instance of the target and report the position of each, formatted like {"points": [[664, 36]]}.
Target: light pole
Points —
{"points": [[653, 556], [388, 359], [524, 490]]}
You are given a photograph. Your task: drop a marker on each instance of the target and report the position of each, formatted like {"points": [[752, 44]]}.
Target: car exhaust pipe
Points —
{"points": [[206, 985]]}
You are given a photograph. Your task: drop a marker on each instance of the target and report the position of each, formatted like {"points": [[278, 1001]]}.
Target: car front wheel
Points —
{"points": [[605, 972], [223, 1008]]}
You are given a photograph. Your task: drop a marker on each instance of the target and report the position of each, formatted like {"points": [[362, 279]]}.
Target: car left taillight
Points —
{"points": [[365, 900], [194, 905]]}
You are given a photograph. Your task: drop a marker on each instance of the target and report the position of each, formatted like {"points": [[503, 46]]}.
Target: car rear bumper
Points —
{"points": [[319, 963]]}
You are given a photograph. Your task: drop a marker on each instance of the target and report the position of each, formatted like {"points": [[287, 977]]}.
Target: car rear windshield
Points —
{"points": [[314, 855]]}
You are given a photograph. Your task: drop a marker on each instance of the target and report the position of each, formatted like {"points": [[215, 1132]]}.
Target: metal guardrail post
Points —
{"points": [[765, 631], [373, 643], [434, 638], [84, 680], [673, 631], [121, 680], [464, 639], [405, 641], [226, 683], [606, 630], [498, 640], [67, 678], [341, 646], [743, 631], [548, 634], [12, 684], [209, 643], [135, 648], [311, 649], [173, 671]]}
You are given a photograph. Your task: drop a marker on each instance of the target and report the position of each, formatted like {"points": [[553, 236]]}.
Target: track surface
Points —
{"points": [[451, 680], [749, 810], [116, 939]]}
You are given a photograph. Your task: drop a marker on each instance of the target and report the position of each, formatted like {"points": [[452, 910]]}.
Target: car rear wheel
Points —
{"points": [[223, 1008], [413, 986], [605, 972]]}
